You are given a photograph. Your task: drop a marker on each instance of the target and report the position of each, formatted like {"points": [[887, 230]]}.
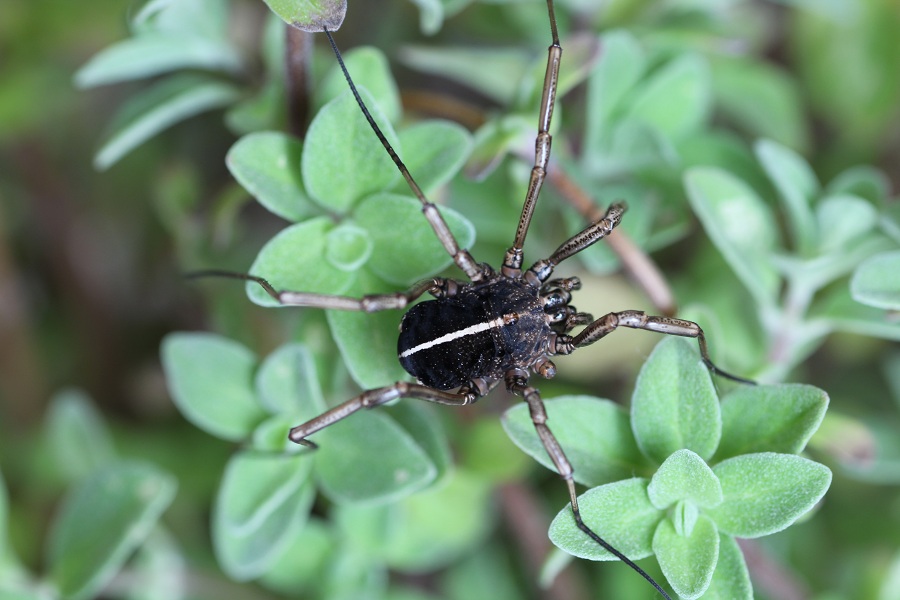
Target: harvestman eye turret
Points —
{"points": [[497, 327]]}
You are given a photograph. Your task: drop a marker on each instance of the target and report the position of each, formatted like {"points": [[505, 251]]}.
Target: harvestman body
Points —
{"points": [[497, 327]]}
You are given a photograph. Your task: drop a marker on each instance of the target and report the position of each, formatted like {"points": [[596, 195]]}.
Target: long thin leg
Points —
{"points": [[461, 257], [377, 397], [590, 235], [637, 319], [518, 384], [369, 303], [512, 262]]}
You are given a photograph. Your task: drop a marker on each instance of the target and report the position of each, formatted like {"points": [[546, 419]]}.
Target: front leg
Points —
{"points": [[437, 287], [636, 319]]}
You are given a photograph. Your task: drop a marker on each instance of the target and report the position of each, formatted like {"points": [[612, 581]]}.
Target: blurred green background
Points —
{"points": [[92, 263]]}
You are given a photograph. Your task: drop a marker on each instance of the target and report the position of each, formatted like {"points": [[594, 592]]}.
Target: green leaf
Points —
{"points": [[425, 531], [76, 435], [595, 434], [299, 568], [101, 522], [436, 151], [684, 476], [370, 458], [740, 225], [842, 220], [797, 186], [731, 581], [154, 54], [621, 65], [762, 99], [296, 260], [770, 418], [620, 513], [267, 164], [876, 282], [343, 161], [368, 341], [310, 15], [863, 181], [396, 225], [210, 379], [676, 99], [262, 505], [674, 405], [766, 492], [157, 108], [287, 383], [498, 76], [369, 69], [688, 562], [839, 311]]}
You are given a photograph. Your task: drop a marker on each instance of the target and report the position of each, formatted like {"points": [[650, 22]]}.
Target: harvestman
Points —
{"points": [[497, 327]]}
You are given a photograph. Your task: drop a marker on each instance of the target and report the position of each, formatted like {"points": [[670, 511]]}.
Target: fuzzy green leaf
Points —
{"points": [[797, 186], [296, 260], [620, 513], [770, 418], [731, 581], [595, 434], [348, 247], [396, 225], [766, 492], [370, 70], [267, 164], [437, 150], [154, 54], [740, 225], [310, 15], [287, 383], [371, 458], [863, 181], [684, 476], [343, 161], [76, 435], [674, 405], [166, 103], [675, 99], [688, 562], [299, 568], [424, 531], [621, 65], [102, 521], [842, 220], [262, 504], [876, 282], [210, 379]]}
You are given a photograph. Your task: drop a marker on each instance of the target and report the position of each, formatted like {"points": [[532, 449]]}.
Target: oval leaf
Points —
{"points": [[104, 519], [262, 504], [770, 418], [287, 383], [675, 100], [595, 434], [369, 68], [620, 513], [310, 15], [406, 247], [437, 151], [370, 458], [343, 161], [684, 476], [765, 493], [210, 379], [76, 435], [876, 282], [267, 164], [739, 224], [687, 562], [295, 260], [731, 581], [674, 405], [166, 103], [843, 219]]}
